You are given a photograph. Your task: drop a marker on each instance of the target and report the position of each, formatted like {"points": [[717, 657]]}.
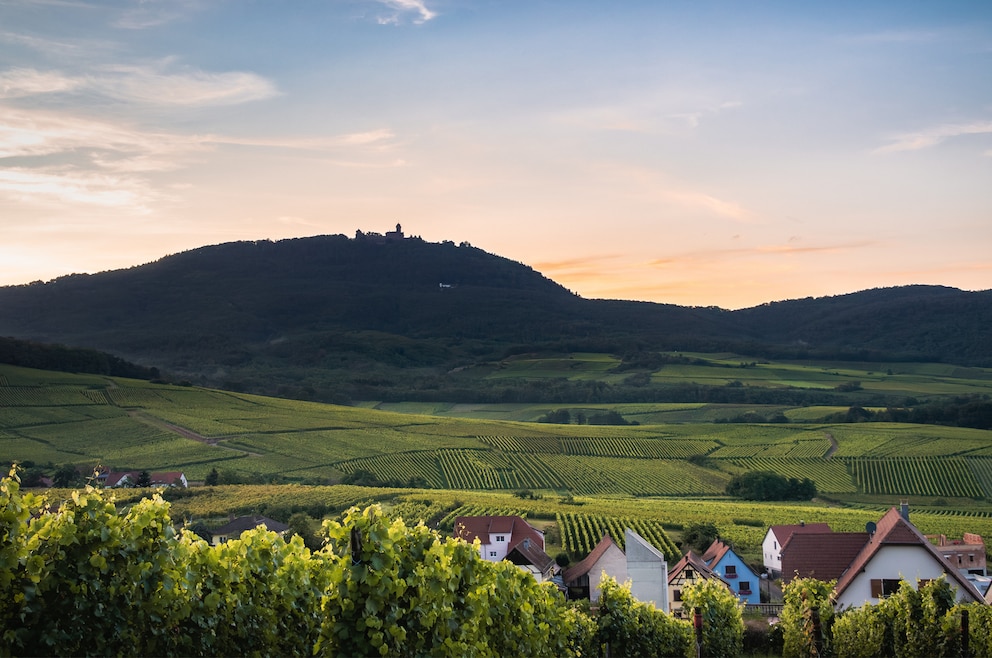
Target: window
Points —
{"points": [[744, 587], [774, 545], [730, 571], [500, 537], [678, 595], [882, 587], [492, 553]]}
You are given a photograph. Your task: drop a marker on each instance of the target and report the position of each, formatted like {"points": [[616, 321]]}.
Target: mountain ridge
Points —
{"points": [[325, 308]]}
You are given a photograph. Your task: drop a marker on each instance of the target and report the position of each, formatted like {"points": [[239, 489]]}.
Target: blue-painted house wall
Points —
{"points": [[744, 575]]}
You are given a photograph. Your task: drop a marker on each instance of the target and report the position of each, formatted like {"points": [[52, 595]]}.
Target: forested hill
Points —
{"points": [[323, 310]]}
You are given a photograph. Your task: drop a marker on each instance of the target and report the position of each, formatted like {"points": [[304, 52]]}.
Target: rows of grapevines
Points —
{"points": [[981, 468], [615, 446], [921, 476], [42, 396], [448, 521], [804, 449], [401, 467], [829, 475], [582, 532]]}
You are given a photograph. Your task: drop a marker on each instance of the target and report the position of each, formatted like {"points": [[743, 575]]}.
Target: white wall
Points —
{"points": [[647, 570], [614, 563], [911, 563], [771, 551]]}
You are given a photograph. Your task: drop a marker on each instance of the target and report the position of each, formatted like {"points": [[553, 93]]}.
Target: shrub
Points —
{"points": [[723, 626]]}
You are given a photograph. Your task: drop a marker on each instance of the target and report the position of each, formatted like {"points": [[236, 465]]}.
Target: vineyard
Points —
{"points": [[581, 532], [88, 420]]}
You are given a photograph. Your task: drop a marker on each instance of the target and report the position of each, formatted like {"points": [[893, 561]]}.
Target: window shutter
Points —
{"points": [[876, 588]]}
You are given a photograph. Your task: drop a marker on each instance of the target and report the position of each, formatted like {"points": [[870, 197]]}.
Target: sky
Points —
{"points": [[694, 153]]}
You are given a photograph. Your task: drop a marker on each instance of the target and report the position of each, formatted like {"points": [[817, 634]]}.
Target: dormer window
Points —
{"points": [[500, 537]]}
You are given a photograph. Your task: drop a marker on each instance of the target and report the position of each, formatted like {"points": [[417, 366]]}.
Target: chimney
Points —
{"points": [[904, 510], [526, 542]]}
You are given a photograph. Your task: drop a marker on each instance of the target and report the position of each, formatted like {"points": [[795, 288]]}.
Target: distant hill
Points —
{"points": [[334, 317]]}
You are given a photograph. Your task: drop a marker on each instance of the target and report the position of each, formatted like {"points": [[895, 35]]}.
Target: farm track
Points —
{"points": [[834, 446], [186, 432]]}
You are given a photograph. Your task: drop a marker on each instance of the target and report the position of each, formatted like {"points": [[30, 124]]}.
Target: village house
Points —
{"points": [[896, 550], [776, 538], [125, 479], [642, 565], [688, 571], [967, 554], [584, 578], [237, 525], [724, 562], [508, 538], [821, 555]]}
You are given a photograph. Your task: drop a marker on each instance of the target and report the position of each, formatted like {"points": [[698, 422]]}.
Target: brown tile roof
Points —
{"points": [[820, 555], [582, 568], [715, 552], [690, 559], [893, 530], [531, 553], [784, 532]]}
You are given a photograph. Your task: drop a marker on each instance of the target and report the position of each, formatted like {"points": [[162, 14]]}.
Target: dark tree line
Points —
{"points": [[767, 485], [28, 354]]}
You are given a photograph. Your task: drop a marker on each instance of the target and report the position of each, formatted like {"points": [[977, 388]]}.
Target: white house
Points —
{"points": [[647, 569], [897, 551], [776, 537], [583, 579], [508, 538]]}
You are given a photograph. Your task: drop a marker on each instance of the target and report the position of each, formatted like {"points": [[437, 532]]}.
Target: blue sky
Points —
{"points": [[696, 153]]}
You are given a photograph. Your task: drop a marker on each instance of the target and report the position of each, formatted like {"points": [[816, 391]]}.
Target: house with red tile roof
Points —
{"points": [[723, 561], [583, 579], [508, 538], [821, 555], [896, 551], [775, 539]]}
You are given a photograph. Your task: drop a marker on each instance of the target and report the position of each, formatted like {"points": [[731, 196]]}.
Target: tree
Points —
{"points": [[144, 480], [699, 536], [213, 477], [66, 476], [768, 485]]}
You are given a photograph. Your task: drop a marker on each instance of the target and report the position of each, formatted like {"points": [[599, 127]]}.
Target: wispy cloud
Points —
{"points": [[66, 186], [403, 8], [152, 84], [21, 82], [144, 14], [147, 84], [934, 136]]}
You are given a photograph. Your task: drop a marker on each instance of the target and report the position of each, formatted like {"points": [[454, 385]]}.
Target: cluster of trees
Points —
{"points": [[29, 354], [960, 411], [768, 485]]}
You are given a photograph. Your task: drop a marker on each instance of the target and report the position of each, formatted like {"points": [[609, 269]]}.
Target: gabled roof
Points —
{"points": [[586, 565], [894, 530], [820, 555], [784, 532], [242, 523], [715, 552], [530, 553], [471, 528], [116, 479], [690, 559]]}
